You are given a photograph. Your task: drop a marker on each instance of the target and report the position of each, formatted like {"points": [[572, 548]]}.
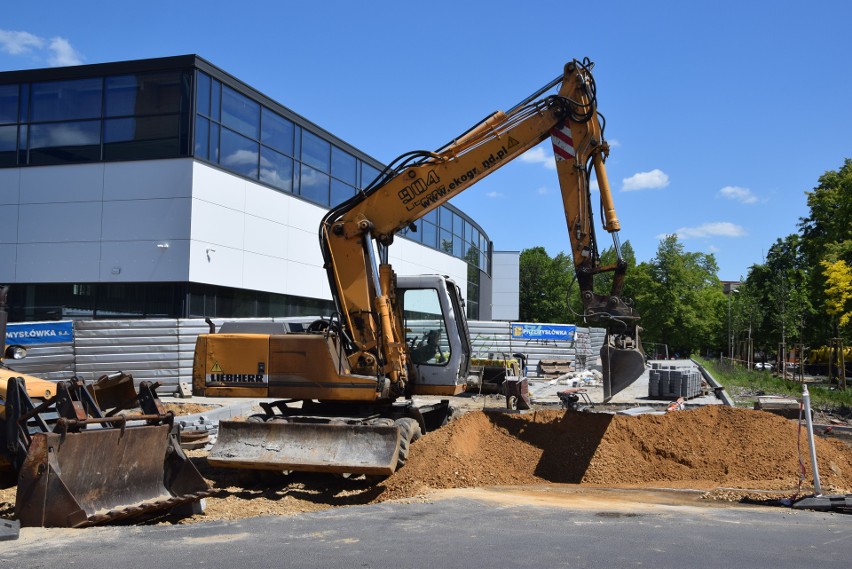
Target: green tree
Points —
{"points": [[838, 277], [827, 231], [544, 283], [826, 236], [679, 297]]}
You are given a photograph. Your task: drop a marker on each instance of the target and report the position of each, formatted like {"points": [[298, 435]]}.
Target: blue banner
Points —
{"points": [[35, 333], [563, 332]]}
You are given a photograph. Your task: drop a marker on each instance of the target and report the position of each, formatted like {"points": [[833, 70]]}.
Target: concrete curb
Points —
{"points": [[717, 387]]}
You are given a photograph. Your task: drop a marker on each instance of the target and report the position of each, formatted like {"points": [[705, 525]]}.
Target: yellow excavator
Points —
{"points": [[85, 454], [346, 384]]}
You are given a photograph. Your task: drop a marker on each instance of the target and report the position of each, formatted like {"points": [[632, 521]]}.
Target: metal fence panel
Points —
{"points": [[163, 349]]}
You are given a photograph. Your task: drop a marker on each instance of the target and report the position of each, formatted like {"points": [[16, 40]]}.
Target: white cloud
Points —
{"points": [[593, 185], [494, 195], [736, 193], [542, 190], [56, 52], [654, 179], [539, 156], [613, 143], [712, 249], [16, 43], [62, 53], [714, 229]]}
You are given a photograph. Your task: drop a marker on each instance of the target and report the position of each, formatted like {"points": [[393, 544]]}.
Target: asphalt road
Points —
{"points": [[474, 529]]}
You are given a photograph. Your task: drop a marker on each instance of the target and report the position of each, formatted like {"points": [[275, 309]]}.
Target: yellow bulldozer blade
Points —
{"points": [[104, 474], [307, 447], [620, 367]]}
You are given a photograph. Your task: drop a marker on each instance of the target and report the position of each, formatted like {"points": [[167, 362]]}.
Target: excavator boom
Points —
{"points": [[422, 181], [384, 340]]}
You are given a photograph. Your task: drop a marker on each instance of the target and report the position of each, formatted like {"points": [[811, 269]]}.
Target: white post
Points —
{"points": [[806, 402]]}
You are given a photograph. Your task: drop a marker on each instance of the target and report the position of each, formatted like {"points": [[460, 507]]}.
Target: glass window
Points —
{"points": [[276, 131], [425, 332], [142, 138], [458, 223], [8, 138], [240, 113], [9, 145], [202, 138], [431, 217], [469, 233], [144, 94], [8, 104], [66, 134], [340, 192], [314, 185], [216, 100], [316, 152], [276, 169], [472, 255], [66, 100], [447, 219], [430, 235], [239, 154], [458, 246], [215, 129], [415, 234], [446, 244], [202, 94], [368, 174], [343, 165]]}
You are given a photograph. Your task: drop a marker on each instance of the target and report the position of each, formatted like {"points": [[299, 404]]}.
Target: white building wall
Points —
{"points": [[171, 220], [505, 274], [258, 238]]}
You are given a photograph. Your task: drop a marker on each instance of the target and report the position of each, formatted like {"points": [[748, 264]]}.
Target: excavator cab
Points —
{"points": [[436, 332]]}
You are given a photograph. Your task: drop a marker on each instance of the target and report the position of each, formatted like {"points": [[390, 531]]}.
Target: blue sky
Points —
{"points": [[721, 115]]}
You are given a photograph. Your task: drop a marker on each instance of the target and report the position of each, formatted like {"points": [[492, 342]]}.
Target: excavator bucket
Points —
{"points": [[114, 391], [308, 447], [79, 465], [621, 367], [99, 475], [622, 360]]}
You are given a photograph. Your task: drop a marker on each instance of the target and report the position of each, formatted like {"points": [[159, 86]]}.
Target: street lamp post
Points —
{"points": [[730, 333], [730, 329]]}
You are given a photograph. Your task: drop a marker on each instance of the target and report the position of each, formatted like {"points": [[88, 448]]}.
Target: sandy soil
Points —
{"points": [[729, 453]]}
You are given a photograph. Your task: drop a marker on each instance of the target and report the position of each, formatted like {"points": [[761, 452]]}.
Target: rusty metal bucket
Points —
{"points": [[308, 447], [115, 391], [76, 479]]}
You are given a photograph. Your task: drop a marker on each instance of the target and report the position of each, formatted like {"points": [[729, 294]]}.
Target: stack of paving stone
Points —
{"points": [[671, 383]]}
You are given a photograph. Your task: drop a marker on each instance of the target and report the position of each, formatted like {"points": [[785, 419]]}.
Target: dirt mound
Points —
{"points": [[713, 446]]}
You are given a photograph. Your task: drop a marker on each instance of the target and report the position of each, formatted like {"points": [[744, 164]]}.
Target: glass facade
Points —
{"points": [[192, 109], [59, 301], [139, 116]]}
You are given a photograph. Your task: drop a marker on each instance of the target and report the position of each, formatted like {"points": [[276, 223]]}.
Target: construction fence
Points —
{"points": [[162, 350]]}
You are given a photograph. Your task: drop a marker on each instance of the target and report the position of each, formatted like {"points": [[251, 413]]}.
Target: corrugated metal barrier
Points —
{"points": [[162, 350]]}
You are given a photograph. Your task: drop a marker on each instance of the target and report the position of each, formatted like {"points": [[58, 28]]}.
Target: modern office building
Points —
{"points": [[169, 188]]}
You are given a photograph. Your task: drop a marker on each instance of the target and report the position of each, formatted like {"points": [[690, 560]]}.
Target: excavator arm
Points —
{"points": [[355, 235]]}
